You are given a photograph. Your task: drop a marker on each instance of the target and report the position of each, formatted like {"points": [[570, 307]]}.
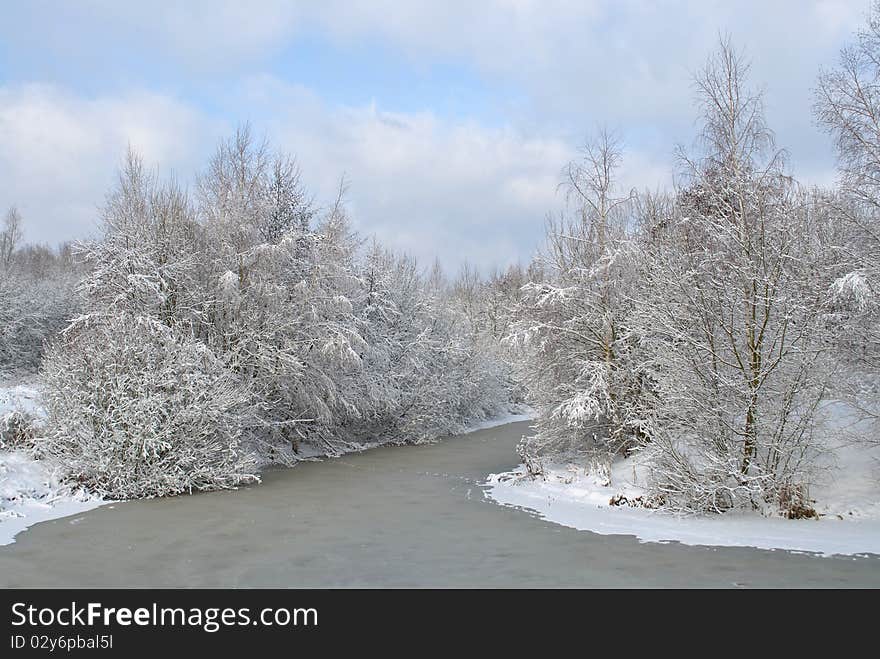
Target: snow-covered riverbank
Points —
{"points": [[31, 490], [847, 500]]}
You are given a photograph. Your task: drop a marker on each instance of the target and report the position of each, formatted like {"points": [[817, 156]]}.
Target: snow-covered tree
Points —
{"points": [[731, 325], [572, 326], [137, 405], [10, 238], [287, 205], [247, 302], [37, 296]]}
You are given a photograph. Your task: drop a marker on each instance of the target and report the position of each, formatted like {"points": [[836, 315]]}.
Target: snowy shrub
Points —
{"points": [[853, 291], [135, 410], [795, 503], [17, 431], [690, 477], [138, 405]]}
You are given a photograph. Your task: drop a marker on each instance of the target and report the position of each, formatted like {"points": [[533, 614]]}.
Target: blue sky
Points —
{"points": [[451, 120]]}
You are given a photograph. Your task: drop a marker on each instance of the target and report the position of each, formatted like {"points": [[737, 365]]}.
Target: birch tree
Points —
{"points": [[732, 327]]}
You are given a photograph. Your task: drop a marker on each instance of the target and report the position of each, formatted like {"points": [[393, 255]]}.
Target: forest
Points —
{"points": [[212, 331]]}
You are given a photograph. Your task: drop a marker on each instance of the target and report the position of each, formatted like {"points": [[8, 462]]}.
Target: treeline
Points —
{"points": [[241, 325], [36, 294]]}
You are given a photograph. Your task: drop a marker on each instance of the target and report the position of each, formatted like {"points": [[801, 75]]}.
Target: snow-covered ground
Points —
{"points": [[20, 397], [847, 498], [30, 490]]}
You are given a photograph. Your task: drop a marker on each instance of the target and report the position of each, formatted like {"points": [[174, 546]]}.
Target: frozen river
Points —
{"points": [[389, 517]]}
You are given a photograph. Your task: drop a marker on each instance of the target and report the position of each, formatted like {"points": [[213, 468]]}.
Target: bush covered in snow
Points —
{"points": [[136, 410], [17, 431]]}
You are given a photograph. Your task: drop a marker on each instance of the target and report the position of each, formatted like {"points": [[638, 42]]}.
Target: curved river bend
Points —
{"points": [[388, 517]]}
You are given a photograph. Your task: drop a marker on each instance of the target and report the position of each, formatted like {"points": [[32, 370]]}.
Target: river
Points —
{"points": [[389, 517]]}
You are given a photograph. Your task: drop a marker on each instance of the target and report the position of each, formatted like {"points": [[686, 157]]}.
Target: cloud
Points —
{"points": [[418, 183], [204, 35], [60, 150], [455, 190], [172, 77], [608, 51], [422, 184], [573, 63]]}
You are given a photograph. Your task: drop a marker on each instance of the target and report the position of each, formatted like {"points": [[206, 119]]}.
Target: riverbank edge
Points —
{"points": [[32, 491], [569, 496]]}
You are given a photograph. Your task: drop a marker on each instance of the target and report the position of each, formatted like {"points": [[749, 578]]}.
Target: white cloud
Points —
{"points": [[628, 58], [418, 183], [575, 63], [614, 60], [433, 187], [422, 182], [455, 190], [60, 150]]}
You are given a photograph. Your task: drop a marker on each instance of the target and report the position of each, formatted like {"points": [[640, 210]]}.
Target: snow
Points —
{"points": [[20, 397], [525, 414], [849, 485], [846, 494], [31, 490], [853, 288]]}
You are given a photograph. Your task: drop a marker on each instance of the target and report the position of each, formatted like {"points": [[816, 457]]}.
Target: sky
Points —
{"points": [[452, 121]]}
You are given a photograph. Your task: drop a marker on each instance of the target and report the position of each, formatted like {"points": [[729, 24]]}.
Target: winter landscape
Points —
{"points": [[621, 369]]}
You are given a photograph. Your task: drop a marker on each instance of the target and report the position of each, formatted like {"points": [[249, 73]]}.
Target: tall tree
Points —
{"points": [[731, 320]]}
